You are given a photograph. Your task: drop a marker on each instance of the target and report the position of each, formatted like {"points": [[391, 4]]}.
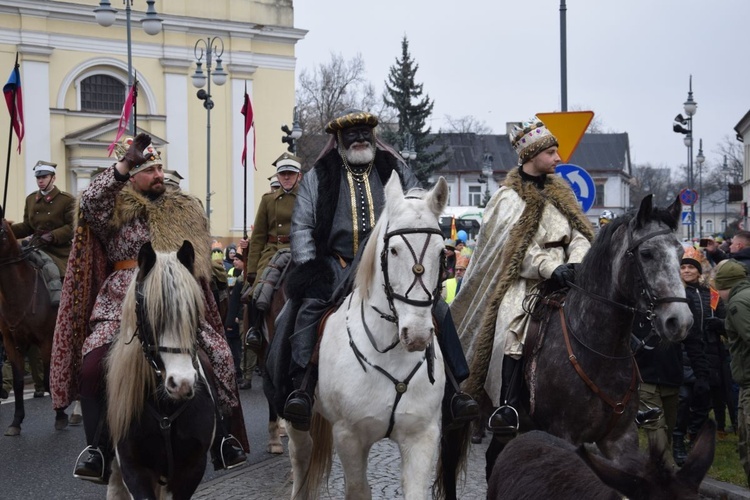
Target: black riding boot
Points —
{"points": [[299, 404], [254, 335], [505, 418], [226, 451], [94, 461]]}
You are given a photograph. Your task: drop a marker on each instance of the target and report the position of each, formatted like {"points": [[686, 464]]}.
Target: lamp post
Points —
{"points": [[699, 161], [725, 171], [293, 134], [487, 161], [408, 153], [105, 16], [684, 125], [208, 48]]}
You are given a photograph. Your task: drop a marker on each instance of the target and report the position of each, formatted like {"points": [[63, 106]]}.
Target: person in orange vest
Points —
{"points": [[451, 286]]}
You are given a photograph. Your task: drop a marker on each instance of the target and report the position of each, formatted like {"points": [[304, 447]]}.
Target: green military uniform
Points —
{"points": [[51, 213], [273, 223]]}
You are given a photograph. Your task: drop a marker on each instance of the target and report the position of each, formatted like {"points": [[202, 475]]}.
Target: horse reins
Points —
{"points": [[418, 269]]}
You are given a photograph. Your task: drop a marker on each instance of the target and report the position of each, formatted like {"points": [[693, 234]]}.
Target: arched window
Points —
{"points": [[102, 94], [709, 226]]}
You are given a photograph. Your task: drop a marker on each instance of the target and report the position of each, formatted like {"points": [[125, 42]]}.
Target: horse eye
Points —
{"points": [[394, 252], [647, 254]]}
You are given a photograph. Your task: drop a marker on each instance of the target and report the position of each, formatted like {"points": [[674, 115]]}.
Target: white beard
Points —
{"points": [[360, 157]]}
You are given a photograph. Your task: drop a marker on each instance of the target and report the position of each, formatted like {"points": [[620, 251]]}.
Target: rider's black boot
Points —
{"points": [[94, 461], [462, 407], [504, 420], [226, 451], [298, 407], [254, 337], [649, 416], [679, 452]]}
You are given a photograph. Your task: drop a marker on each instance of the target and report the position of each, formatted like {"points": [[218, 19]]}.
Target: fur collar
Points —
{"points": [[556, 191], [172, 218]]}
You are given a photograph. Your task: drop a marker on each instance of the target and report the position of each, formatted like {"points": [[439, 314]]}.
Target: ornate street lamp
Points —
{"points": [[487, 172], [105, 16], [293, 134], [699, 162], [208, 48], [407, 152], [684, 125]]}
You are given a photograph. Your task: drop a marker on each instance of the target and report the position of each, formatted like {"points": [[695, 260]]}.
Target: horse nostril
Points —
{"points": [[405, 334], [171, 383]]}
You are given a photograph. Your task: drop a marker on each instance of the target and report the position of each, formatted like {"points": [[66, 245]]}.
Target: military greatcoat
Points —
{"points": [[273, 223], [51, 213]]}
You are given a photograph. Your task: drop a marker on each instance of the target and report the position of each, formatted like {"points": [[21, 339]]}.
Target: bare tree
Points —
{"points": [[653, 180], [331, 88], [465, 125]]}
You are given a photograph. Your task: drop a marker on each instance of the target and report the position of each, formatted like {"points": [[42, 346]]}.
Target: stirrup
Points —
{"points": [[231, 440], [507, 429], [92, 450]]}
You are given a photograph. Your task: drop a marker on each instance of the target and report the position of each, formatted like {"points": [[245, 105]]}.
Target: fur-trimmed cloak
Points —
{"points": [[511, 257]]}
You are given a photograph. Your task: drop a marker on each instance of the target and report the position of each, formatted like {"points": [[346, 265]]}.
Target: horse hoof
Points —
{"points": [[13, 431], [76, 419], [276, 449], [61, 423]]}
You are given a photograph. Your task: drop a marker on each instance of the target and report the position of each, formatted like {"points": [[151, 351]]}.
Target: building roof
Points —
{"points": [[597, 153]]}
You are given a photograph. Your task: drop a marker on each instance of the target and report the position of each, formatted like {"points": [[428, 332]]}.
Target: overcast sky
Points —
{"points": [[499, 61]]}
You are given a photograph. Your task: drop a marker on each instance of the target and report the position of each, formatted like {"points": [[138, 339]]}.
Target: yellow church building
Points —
{"points": [[74, 75]]}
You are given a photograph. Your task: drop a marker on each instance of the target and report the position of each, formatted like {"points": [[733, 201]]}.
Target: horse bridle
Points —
{"points": [[652, 299], [417, 269]]}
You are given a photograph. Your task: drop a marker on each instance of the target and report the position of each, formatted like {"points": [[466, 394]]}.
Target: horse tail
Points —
{"points": [[321, 458], [452, 461]]}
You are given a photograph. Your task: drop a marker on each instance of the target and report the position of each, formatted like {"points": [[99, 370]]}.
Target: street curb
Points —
{"points": [[719, 489]]}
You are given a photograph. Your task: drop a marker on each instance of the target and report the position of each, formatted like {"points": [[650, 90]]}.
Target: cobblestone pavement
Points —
{"points": [[271, 479]]}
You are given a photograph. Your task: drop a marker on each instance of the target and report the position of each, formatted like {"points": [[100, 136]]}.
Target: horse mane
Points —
{"points": [[598, 260], [175, 306], [367, 269]]}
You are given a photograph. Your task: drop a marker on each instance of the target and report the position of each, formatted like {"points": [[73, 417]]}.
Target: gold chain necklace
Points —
{"points": [[357, 176]]}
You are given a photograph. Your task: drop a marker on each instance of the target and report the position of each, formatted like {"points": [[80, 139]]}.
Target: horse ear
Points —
{"points": [[393, 189], [607, 471], [186, 255], [701, 456], [675, 209], [644, 211], [437, 198], [146, 260]]}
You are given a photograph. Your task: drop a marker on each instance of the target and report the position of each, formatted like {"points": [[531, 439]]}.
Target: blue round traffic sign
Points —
{"points": [[581, 182], [688, 196]]}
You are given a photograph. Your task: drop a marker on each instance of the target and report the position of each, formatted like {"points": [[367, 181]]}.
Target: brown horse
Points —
{"points": [[27, 317], [269, 318]]}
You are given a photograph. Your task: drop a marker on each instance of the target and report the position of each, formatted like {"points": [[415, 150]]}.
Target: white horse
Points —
{"points": [[381, 371]]}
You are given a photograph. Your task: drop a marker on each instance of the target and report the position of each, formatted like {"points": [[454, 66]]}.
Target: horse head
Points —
{"points": [[169, 306], [410, 245], [647, 264]]}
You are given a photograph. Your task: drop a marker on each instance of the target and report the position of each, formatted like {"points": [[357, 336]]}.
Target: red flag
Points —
{"points": [[127, 108], [247, 111], [14, 99]]}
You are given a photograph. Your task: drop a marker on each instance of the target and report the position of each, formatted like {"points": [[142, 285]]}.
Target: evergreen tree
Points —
{"points": [[406, 97]]}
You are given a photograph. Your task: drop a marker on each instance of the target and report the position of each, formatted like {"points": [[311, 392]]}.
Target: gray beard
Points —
{"points": [[363, 157]]}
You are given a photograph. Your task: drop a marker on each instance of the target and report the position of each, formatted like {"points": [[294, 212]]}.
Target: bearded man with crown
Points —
{"points": [[338, 203], [124, 207], [533, 229]]}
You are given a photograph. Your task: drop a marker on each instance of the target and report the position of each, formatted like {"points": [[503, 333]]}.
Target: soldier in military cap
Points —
{"points": [[48, 215], [271, 230]]}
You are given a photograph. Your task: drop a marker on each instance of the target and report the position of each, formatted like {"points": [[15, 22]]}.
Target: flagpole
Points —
{"points": [[135, 105], [244, 165], [10, 141]]}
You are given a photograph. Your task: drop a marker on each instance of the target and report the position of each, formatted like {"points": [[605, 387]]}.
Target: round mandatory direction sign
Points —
{"points": [[581, 182], [688, 196]]}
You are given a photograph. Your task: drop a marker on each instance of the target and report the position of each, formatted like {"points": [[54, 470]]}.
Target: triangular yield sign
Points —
{"points": [[568, 127]]}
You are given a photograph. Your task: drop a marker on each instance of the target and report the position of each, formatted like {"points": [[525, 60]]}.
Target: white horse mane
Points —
{"points": [[174, 304]]}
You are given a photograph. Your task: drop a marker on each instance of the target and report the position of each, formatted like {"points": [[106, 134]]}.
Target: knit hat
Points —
{"points": [[530, 138], [691, 262], [729, 274]]}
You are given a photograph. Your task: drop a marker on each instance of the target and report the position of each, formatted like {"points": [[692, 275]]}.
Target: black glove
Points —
{"points": [[562, 274], [701, 388], [134, 155], [714, 326]]}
